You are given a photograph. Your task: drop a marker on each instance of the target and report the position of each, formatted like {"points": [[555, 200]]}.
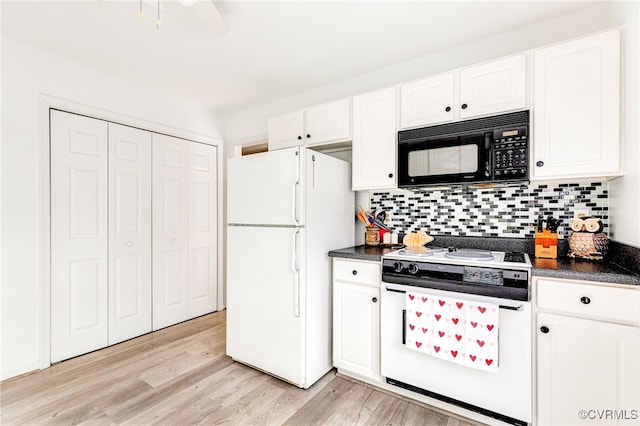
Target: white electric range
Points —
{"points": [[468, 276]]}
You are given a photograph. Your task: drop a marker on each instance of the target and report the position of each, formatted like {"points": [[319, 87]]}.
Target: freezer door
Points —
{"points": [[264, 289], [266, 188]]}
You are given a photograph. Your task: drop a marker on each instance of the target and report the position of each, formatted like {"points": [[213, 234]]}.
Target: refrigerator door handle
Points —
{"points": [[294, 202], [296, 275]]}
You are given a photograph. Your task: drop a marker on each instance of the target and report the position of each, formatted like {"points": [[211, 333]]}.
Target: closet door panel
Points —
{"points": [[170, 248], [202, 203], [79, 235], [129, 232]]}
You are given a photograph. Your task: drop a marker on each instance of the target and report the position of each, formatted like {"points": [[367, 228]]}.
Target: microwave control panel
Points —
{"points": [[511, 154]]}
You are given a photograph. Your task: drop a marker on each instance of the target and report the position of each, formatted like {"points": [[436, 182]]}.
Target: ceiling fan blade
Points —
{"points": [[212, 18]]}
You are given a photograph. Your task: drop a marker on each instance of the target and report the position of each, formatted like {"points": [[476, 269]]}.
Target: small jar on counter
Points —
{"points": [[372, 236]]}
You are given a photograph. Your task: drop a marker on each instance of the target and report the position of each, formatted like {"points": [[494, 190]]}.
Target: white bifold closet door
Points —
{"points": [[79, 235], [129, 232], [100, 234], [184, 229]]}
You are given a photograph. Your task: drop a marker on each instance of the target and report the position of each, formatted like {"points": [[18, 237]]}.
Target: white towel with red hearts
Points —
{"points": [[458, 331]]}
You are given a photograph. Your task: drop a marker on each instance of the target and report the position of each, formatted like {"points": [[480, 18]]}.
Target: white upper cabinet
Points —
{"points": [[374, 140], [493, 87], [427, 101], [328, 123], [490, 88], [317, 125], [286, 130], [576, 108]]}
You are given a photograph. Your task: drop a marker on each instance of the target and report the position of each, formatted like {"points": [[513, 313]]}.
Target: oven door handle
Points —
{"points": [[404, 326], [404, 313]]}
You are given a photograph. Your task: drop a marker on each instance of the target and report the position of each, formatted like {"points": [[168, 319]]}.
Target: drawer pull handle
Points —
{"points": [[354, 272], [544, 329], [585, 300]]}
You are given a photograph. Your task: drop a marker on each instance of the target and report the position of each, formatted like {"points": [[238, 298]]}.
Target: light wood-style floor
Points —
{"points": [[181, 375]]}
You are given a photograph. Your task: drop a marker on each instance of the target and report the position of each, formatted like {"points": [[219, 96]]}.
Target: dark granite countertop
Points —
{"points": [[363, 252], [586, 270], [563, 268]]}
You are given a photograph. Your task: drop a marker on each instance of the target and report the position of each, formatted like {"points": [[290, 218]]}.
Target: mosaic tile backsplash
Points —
{"points": [[491, 212]]}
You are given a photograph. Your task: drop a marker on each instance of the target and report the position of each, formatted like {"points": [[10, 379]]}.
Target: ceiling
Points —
{"points": [[274, 49]]}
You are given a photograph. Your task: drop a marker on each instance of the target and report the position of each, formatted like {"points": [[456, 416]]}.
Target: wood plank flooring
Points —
{"points": [[180, 375]]}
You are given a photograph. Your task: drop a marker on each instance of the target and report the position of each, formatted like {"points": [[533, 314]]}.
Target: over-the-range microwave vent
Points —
{"points": [[466, 126]]}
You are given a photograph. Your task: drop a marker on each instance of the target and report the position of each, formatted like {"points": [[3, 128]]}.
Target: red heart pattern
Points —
{"points": [[469, 326]]}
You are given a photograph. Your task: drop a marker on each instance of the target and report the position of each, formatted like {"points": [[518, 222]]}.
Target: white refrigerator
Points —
{"points": [[285, 210]]}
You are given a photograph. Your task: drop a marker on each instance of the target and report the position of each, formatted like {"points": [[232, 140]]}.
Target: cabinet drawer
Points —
{"points": [[362, 272], [592, 300]]}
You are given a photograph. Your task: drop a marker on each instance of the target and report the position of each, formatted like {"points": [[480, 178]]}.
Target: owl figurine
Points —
{"points": [[587, 240]]}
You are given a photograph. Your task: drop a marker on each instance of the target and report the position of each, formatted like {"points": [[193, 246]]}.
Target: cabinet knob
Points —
{"points": [[544, 329], [299, 138], [585, 300], [173, 240], [390, 175], [374, 299], [540, 163], [354, 272], [447, 109], [129, 243], [308, 136], [463, 106]]}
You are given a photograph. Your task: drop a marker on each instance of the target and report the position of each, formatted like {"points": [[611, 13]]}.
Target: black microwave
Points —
{"points": [[484, 150]]}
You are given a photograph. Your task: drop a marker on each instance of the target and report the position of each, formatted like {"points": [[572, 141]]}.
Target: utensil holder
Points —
{"points": [[372, 236]]}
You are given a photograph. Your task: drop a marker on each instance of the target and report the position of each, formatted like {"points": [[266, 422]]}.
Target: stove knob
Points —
{"points": [[397, 267], [413, 268], [452, 249]]}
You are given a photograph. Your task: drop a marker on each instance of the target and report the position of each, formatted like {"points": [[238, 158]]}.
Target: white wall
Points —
{"points": [[624, 193], [252, 123], [27, 74]]}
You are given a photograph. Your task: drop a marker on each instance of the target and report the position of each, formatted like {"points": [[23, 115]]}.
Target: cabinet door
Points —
{"points": [[202, 202], [356, 329], [494, 87], [327, 123], [576, 101], [129, 232], [286, 130], [427, 101], [79, 235], [170, 250], [374, 140], [585, 365]]}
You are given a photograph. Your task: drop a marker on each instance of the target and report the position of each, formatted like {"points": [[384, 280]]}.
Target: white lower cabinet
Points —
{"points": [[587, 367], [356, 317]]}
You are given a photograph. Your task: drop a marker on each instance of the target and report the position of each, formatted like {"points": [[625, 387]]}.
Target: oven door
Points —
{"points": [[444, 160], [506, 394]]}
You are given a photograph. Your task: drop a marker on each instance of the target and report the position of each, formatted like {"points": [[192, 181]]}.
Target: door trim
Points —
{"points": [[47, 102]]}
